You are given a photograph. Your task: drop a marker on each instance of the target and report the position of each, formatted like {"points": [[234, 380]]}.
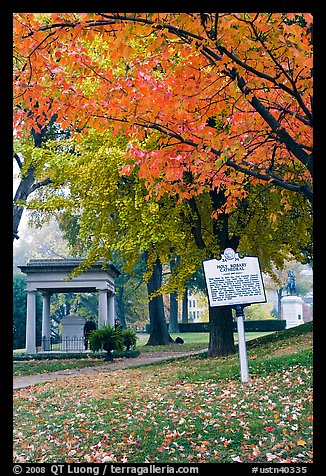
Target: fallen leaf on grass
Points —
{"points": [[301, 442]]}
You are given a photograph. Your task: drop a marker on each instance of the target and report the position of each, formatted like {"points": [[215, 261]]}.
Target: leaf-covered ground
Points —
{"points": [[193, 410]]}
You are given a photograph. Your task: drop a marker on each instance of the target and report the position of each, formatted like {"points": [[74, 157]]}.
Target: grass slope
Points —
{"points": [[191, 410]]}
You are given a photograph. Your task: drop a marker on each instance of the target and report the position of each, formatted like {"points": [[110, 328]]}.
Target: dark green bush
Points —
{"points": [[107, 338], [129, 338]]}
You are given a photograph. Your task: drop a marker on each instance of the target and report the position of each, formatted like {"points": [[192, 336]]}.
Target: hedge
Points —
{"points": [[73, 355], [268, 325]]}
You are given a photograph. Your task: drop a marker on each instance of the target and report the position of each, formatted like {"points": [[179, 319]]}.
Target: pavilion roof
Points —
{"points": [[64, 264]]}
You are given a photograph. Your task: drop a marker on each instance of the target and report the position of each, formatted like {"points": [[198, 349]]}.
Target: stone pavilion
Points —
{"points": [[49, 276]]}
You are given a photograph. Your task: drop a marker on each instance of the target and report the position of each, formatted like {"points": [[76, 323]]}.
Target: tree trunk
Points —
{"points": [[159, 334], [221, 341], [184, 318], [21, 194], [120, 306], [173, 323], [27, 185], [279, 302]]}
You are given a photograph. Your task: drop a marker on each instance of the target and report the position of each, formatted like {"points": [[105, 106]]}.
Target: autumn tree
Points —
{"points": [[227, 91], [24, 159], [114, 214], [27, 184], [229, 96]]}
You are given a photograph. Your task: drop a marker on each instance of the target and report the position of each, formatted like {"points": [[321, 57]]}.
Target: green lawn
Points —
{"points": [[31, 367], [191, 410], [193, 341]]}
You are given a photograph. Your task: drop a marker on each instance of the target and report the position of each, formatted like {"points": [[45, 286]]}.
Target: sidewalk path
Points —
{"points": [[145, 359]]}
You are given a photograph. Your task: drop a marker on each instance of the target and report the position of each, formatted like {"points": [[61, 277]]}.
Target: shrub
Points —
{"points": [[129, 338], [107, 338]]}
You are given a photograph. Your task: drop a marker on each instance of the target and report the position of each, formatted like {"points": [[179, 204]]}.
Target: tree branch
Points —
{"points": [[196, 225], [37, 185], [304, 190], [272, 178], [276, 127], [19, 162]]}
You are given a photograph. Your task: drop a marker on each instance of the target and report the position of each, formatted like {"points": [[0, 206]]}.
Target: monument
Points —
{"points": [[49, 276], [292, 305], [72, 338]]}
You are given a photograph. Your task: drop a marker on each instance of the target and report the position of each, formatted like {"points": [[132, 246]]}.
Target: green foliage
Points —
{"points": [[107, 338], [259, 312], [19, 311], [109, 208], [278, 227]]}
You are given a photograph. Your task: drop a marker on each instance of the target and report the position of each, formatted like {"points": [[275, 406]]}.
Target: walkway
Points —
{"points": [[144, 359]]}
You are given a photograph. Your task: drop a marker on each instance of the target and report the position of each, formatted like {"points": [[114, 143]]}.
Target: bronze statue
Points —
{"points": [[290, 285]]}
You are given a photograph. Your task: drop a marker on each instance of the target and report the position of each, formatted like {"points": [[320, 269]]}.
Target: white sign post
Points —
{"points": [[237, 282], [244, 372]]}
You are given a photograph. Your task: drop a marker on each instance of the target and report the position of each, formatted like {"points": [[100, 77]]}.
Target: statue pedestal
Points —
{"points": [[292, 311]]}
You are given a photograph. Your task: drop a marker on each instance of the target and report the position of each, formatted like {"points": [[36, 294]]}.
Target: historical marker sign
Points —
{"points": [[233, 280], [237, 282]]}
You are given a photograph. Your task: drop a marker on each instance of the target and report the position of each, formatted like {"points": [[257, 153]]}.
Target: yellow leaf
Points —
{"points": [[301, 442]]}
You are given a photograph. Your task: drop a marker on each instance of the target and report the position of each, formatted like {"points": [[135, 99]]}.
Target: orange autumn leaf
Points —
{"points": [[301, 442]]}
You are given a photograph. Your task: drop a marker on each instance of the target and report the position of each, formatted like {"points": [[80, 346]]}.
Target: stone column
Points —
{"points": [[111, 310], [31, 323], [102, 307], [46, 321]]}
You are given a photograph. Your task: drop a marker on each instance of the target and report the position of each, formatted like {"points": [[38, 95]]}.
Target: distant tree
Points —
{"points": [[19, 312], [131, 298], [259, 312], [39, 241], [173, 321]]}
